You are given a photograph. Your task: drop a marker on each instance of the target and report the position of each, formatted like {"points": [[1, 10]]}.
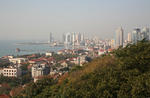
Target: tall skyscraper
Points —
{"points": [[50, 37], [63, 38], [136, 35], [119, 37], [68, 38], [73, 38], [82, 37], [145, 33], [129, 37]]}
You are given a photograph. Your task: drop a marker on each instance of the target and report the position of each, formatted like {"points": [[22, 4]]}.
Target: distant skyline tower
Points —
{"points": [[129, 38], [63, 38], [145, 33], [119, 37], [82, 37], [136, 35], [73, 38], [50, 37], [68, 38]]}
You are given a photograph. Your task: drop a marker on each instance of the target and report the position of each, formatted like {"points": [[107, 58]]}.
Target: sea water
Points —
{"points": [[9, 48]]}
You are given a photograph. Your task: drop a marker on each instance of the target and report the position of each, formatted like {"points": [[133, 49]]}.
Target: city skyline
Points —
{"points": [[33, 20]]}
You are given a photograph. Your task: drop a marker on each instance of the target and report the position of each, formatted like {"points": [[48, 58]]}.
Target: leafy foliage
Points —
{"points": [[7, 83], [125, 74]]}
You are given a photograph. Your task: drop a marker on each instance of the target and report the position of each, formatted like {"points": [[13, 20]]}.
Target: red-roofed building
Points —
{"points": [[4, 96], [110, 50], [101, 52]]}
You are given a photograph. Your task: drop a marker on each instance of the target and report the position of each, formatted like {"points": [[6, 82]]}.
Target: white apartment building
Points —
{"points": [[39, 70], [17, 60], [11, 72]]}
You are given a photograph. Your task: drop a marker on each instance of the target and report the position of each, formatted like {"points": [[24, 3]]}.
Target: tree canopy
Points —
{"points": [[124, 74]]}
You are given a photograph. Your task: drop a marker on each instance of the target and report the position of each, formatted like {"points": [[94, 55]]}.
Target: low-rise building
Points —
{"points": [[49, 54], [60, 52], [12, 72], [101, 52], [17, 60], [63, 63], [81, 60], [39, 70]]}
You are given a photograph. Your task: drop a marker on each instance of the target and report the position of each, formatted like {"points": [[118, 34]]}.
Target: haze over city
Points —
{"points": [[33, 20], [74, 48]]}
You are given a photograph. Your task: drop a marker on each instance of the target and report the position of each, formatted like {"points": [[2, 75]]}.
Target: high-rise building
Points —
{"points": [[129, 37], [82, 37], [82, 40], [136, 35], [63, 38], [50, 37], [139, 34], [74, 38], [145, 33], [77, 38], [68, 38], [119, 37]]}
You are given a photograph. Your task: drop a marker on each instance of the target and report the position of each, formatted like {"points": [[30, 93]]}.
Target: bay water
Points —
{"points": [[9, 48]]}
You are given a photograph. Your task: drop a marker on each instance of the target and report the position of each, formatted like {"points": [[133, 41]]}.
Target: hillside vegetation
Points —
{"points": [[125, 73]]}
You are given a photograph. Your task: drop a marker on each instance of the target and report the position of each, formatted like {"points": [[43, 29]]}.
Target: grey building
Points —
{"points": [[145, 33], [119, 37], [40, 70]]}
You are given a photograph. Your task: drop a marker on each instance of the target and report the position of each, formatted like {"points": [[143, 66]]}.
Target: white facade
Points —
{"points": [[48, 54], [112, 43], [18, 60], [12, 72], [101, 52], [136, 35], [73, 38], [129, 37], [81, 60], [145, 33], [39, 70]]}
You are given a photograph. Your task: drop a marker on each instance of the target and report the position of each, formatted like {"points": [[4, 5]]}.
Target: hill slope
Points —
{"points": [[124, 74]]}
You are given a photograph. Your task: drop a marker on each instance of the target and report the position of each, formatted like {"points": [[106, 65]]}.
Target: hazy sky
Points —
{"points": [[34, 19]]}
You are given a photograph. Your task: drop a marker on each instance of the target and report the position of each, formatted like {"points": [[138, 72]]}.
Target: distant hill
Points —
{"points": [[125, 73]]}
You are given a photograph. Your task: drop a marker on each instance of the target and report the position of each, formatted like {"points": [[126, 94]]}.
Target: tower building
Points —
{"points": [[119, 37]]}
